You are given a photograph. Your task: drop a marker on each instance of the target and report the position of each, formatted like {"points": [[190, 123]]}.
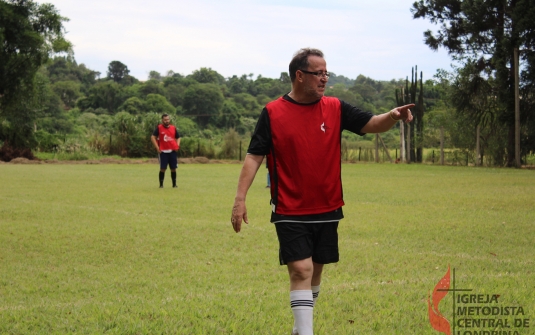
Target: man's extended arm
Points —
{"points": [[383, 122], [248, 172]]}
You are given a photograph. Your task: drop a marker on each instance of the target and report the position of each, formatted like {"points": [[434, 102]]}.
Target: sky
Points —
{"points": [[376, 38]]}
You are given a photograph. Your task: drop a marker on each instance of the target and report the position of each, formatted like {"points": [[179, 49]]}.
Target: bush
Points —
{"points": [[7, 153], [194, 147], [46, 141], [231, 145]]}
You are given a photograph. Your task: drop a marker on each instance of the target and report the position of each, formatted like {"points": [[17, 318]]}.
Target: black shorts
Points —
{"points": [[301, 240], [168, 158]]}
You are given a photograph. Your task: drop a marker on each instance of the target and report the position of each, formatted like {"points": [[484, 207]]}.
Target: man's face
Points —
{"points": [[166, 121], [314, 86]]}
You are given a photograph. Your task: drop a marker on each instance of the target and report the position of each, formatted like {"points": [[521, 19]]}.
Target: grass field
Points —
{"points": [[99, 249]]}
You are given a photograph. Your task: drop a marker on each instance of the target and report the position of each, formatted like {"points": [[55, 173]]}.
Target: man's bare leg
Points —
{"points": [[303, 275]]}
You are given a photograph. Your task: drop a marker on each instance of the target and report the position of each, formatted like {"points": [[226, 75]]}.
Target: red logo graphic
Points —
{"points": [[437, 320]]}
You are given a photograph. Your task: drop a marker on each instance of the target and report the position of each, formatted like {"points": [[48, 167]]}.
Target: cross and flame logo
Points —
{"points": [[437, 320]]}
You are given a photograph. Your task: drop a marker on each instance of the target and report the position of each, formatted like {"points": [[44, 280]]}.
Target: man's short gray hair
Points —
{"points": [[300, 60]]}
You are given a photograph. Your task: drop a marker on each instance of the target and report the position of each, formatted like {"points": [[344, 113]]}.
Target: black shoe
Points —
{"points": [[174, 186], [161, 186]]}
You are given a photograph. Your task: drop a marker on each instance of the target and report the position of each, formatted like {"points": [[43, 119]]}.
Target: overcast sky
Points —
{"points": [[376, 38]]}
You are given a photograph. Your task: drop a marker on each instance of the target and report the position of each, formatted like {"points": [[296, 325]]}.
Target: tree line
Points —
{"points": [[50, 102]]}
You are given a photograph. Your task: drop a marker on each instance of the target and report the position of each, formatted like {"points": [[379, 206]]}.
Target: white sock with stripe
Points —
{"points": [[302, 304], [315, 293]]}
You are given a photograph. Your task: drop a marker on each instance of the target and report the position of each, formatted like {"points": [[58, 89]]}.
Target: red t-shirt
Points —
{"points": [[302, 143]]}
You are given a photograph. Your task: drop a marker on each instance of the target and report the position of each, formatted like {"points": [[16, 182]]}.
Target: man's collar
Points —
{"points": [[288, 98]]}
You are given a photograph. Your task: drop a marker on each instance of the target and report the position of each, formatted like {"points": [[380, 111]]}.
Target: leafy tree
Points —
{"points": [[156, 103], [273, 88], [263, 99], [49, 109], [151, 87], [177, 79], [172, 73], [485, 33], [335, 79], [186, 127], [133, 105], [68, 92], [207, 76], [247, 125], [118, 72], [29, 34], [230, 115], [367, 88], [105, 94], [349, 96], [203, 101], [175, 94], [130, 91], [66, 69], [249, 104], [474, 97], [155, 75], [237, 85], [88, 120], [285, 78]]}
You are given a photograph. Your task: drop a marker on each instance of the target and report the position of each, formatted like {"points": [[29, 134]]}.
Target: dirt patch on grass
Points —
{"points": [[195, 160], [22, 160]]}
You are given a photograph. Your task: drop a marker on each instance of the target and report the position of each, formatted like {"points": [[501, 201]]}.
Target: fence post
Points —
{"points": [[433, 159], [240, 151], [385, 149], [402, 152], [478, 150], [441, 145], [409, 148], [376, 148], [360, 148]]}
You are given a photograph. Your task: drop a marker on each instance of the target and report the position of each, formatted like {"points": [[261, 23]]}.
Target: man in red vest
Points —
{"points": [[300, 134], [166, 140]]}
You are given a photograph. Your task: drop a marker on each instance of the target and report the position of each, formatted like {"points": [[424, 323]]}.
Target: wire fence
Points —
{"points": [[453, 157], [237, 150]]}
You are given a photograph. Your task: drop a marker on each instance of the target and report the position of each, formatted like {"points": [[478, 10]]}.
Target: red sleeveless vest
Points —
{"points": [[166, 138]]}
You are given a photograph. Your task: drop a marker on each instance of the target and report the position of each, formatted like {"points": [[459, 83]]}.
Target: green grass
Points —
{"points": [[99, 249]]}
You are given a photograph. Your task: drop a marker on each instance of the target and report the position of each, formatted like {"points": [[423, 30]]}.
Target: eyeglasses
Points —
{"points": [[318, 74]]}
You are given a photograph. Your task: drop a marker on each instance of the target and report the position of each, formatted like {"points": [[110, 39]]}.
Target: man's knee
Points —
{"points": [[301, 270]]}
